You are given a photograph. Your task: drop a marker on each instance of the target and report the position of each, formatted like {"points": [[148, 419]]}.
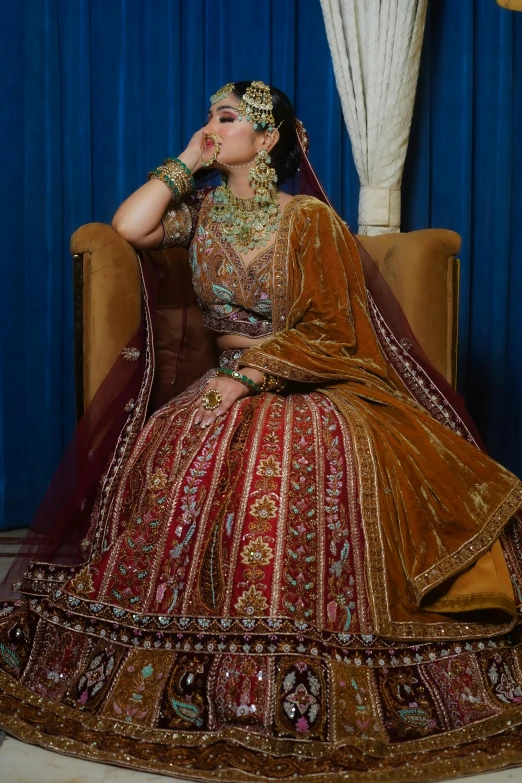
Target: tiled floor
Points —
{"points": [[21, 763], [10, 542]]}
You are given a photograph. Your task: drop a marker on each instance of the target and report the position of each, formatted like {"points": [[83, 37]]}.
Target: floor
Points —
{"points": [[21, 763]]}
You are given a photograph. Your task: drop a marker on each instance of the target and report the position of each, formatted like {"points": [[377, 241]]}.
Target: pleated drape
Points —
{"points": [[94, 93], [376, 48]]}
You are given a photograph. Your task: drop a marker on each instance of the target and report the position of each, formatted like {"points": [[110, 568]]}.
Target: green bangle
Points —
{"points": [[159, 174], [237, 376], [186, 168], [171, 185]]}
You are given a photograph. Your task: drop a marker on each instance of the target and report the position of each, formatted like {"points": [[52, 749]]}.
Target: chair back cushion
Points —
{"points": [[422, 270]]}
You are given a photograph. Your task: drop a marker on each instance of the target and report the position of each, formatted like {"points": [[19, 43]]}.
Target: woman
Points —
{"points": [[293, 568]]}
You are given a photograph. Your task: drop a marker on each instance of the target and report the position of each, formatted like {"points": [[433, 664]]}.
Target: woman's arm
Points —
{"points": [[139, 218]]}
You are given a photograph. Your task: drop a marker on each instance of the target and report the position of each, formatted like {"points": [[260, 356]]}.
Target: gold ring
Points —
{"points": [[212, 399], [214, 155]]}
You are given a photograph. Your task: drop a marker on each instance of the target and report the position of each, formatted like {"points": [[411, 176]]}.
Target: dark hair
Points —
{"points": [[285, 153]]}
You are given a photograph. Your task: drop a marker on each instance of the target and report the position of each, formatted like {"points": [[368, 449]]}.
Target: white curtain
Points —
{"points": [[376, 46]]}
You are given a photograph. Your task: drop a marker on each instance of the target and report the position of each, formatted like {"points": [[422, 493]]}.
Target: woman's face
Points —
{"points": [[238, 140]]}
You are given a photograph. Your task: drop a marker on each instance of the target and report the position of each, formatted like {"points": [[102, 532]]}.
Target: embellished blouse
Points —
{"points": [[233, 298]]}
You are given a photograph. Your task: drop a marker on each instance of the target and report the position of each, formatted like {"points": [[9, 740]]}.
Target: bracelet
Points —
{"points": [[272, 383], [176, 176], [241, 378], [180, 173]]}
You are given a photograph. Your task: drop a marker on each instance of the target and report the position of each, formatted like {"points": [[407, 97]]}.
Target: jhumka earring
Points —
{"points": [[263, 178], [257, 107]]}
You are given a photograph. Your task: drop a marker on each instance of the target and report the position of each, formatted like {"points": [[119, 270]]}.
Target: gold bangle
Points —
{"points": [[272, 383], [175, 175]]}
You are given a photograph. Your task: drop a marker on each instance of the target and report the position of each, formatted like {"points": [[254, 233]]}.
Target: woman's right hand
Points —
{"points": [[191, 155], [138, 219]]}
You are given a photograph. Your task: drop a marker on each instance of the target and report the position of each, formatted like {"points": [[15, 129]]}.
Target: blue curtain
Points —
{"points": [[464, 171], [97, 92]]}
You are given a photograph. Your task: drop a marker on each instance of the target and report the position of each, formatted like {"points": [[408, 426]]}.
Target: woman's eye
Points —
{"points": [[226, 119]]}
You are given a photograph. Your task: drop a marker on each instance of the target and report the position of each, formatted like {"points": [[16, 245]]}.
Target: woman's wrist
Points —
{"points": [[264, 380], [191, 159], [240, 377], [176, 175], [254, 374]]}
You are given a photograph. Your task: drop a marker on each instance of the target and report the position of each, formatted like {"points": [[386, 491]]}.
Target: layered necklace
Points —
{"points": [[244, 222], [249, 223]]}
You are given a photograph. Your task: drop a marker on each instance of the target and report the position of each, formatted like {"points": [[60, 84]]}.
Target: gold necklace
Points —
{"points": [[247, 223]]}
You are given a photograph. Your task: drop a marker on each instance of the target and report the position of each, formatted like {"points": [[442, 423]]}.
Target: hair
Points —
{"points": [[285, 153]]}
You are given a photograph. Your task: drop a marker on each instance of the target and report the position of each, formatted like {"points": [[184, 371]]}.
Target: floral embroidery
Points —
{"points": [[232, 298], [251, 602], [130, 354], [264, 508], [82, 583], [93, 683], [257, 553], [158, 480], [138, 687], [502, 679], [301, 708], [153, 663], [269, 467]]}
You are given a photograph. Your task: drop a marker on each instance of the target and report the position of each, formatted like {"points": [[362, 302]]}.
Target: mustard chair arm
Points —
{"points": [[107, 304], [422, 269]]}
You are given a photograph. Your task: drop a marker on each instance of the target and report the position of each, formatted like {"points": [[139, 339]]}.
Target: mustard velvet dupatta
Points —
{"points": [[432, 504]]}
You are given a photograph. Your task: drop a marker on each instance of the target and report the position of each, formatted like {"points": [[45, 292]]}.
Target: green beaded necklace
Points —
{"points": [[247, 223]]}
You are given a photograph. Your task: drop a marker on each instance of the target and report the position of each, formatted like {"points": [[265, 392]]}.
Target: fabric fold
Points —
{"points": [[421, 528]]}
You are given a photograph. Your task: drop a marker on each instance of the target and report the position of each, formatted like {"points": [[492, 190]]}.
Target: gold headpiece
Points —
{"points": [[302, 135], [256, 106], [222, 93]]}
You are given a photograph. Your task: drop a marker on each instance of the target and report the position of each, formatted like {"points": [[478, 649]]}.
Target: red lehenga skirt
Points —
{"points": [[225, 633]]}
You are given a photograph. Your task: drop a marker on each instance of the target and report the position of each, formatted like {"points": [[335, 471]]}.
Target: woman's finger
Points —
{"points": [[211, 416], [205, 418], [229, 394]]}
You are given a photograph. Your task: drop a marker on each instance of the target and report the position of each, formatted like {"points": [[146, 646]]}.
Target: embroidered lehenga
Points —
{"points": [[324, 584]]}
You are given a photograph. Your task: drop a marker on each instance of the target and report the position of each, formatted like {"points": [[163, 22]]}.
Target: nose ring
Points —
{"points": [[214, 155]]}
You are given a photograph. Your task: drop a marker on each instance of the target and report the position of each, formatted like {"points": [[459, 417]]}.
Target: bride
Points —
{"points": [[303, 565]]}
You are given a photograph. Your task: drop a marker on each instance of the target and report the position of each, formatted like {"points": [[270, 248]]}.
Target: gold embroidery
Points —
{"points": [[251, 602], [353, 704], [257, 553], [269, 467], [264, 508], [374, 545], [137, 690], [82, 582], [177, 226], [158, 480]]}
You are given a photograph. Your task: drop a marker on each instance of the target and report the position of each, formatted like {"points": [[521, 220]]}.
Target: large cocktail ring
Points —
{"points": [[214, 155], [211, 399]]}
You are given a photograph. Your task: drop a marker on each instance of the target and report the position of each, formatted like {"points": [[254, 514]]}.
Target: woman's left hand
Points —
{"points": [[230, 391]]}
